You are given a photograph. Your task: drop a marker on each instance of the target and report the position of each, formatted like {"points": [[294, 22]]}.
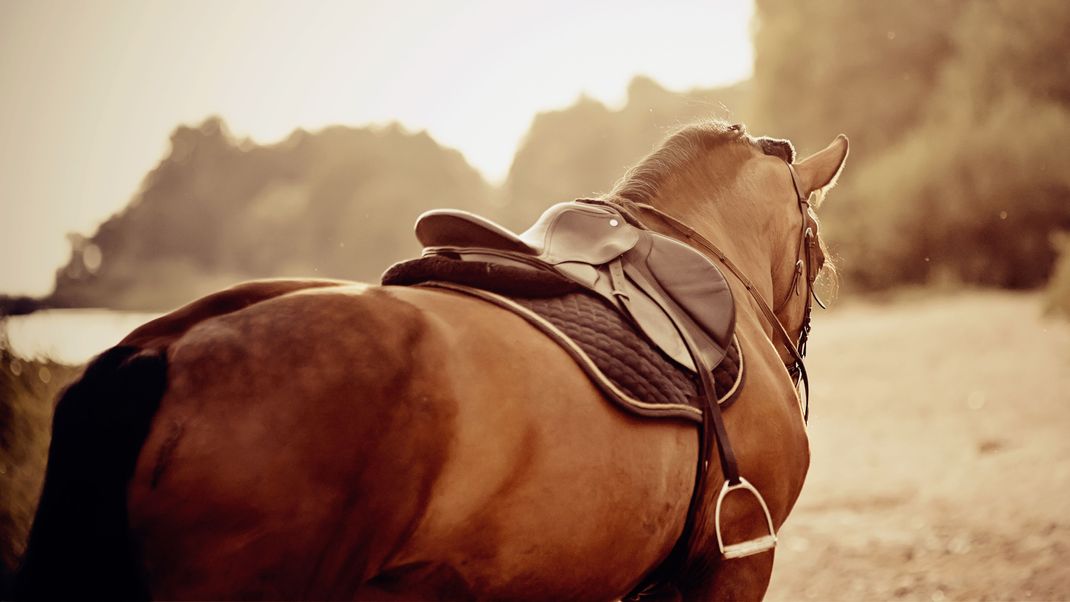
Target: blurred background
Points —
{"points": [[154, 152]]}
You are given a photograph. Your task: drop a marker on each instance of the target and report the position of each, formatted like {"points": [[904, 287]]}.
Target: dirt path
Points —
{"points": [[940, 431]]}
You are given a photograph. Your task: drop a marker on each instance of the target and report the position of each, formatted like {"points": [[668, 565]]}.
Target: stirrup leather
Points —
{"points": [[750, 546]]}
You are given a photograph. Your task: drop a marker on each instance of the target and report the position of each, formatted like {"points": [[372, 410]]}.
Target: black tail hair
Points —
{"points": [[80, 546], [5, 581]]}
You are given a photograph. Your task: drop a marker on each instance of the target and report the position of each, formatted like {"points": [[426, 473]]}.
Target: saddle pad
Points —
{"points": [[639, 369], [615, 355]]}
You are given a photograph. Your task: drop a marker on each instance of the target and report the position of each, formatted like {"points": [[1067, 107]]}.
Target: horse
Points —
{"points": [[325, 439]]}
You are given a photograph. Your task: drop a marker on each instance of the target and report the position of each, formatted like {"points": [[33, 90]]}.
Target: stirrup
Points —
{"points": [[751, 546]]}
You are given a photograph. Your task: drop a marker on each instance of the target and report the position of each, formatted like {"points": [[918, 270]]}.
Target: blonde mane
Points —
{"points": [[641, 183]]}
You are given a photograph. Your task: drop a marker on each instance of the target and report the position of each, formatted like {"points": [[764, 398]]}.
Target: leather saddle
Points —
{"points": [[675, 295]]}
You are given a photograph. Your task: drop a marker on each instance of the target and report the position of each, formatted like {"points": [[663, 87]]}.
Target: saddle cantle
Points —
{"points": [[671, 291]]}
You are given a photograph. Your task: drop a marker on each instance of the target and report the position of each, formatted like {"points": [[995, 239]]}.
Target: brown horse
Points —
{"points": [[298, 439]]}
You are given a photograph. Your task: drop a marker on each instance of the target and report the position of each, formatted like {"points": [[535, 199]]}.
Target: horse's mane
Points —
{"points": [[642, 182]]}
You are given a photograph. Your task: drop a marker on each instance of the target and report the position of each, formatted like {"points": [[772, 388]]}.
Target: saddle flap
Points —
{"points": [[696, 285], [456, 228], [575, 232], [689, 293], [657, 325]]}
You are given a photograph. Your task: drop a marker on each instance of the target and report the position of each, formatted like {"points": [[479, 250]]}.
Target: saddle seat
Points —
{"points": [[672, 292]]}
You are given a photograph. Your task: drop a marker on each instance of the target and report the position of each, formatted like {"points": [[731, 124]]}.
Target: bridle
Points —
{"points": [[807, 244], [805, 260]]}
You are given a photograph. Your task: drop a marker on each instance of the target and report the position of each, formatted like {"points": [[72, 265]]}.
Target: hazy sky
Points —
{"points": [[90, 91]]}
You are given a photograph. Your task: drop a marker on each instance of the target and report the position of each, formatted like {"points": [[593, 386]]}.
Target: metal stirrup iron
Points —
{"points": [[749, 547]]}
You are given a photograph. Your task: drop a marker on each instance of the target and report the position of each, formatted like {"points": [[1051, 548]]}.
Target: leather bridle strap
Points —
{"points": [[807, 244], [805, 234]]}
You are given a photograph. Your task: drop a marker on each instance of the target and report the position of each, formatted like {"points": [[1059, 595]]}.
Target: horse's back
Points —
{"points": [[313, 440]]}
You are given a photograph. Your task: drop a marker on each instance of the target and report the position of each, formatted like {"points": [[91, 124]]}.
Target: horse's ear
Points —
{"points": [[820, 170]]}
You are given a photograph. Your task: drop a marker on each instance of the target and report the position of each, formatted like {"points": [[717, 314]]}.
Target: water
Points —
{"points": [[70, 336]]}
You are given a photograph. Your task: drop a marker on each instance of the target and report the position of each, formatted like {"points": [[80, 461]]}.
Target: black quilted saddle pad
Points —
{"points": [[601, 339]]}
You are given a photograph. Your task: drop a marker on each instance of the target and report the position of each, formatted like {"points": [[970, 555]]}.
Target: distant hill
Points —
{"points": [[336, 203], [341, 202]]}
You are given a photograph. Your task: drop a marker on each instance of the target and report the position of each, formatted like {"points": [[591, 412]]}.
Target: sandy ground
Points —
{"points": [[940, 431]]}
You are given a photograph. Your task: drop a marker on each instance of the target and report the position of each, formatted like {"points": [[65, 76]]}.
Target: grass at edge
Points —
{"points": [[28, 391]]}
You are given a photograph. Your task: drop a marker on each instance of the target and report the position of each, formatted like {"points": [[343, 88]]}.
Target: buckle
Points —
{"points": [[749, 547]]}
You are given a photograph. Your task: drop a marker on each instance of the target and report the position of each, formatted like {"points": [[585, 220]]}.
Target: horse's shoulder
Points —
{"points": [[159, 333]]}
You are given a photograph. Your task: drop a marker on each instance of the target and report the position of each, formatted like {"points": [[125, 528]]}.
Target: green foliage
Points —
{"points": [[953, 109], [27, 391], [864, 68], [962, 201], [1003, 47]]}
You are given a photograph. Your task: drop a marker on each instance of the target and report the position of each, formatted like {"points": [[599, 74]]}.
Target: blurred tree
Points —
{"points": [[1007, 47], [952, 109], [866, 68], [338, 203]]}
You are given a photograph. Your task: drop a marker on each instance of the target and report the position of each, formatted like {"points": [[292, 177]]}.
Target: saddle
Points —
{"points": [[675, 295]]}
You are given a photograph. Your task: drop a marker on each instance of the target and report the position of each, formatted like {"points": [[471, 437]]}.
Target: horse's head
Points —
{"points": [[751, 198]]}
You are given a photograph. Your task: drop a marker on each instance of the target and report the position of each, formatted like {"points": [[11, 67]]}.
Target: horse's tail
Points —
{"points": [[79, 545], [5, 580]]}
